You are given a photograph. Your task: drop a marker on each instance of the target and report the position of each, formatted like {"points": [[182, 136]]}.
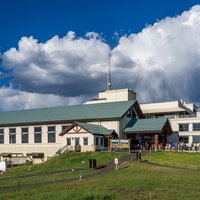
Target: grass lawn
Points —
{"points": [[177, 158], [62, 162], [139, 181], [58, 168]]}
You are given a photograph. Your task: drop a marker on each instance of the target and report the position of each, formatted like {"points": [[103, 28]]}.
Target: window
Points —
{"points": [[77, 141], [128, 114], [183, 127], [1, 136], [85, 141], [64, 127], [97, 141], [184, 139], [196, 139], [69, 141], [37, 134], [102, 141], [196, 127], [131, 114], [12, 135], [51, 134], [24, 135]]}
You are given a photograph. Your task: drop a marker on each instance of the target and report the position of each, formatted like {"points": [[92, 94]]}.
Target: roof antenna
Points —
{"points": [[109, 73]]}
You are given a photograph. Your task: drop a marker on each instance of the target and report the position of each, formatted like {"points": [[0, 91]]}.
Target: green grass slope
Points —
{"points": [[138, 181], [62, 162]]}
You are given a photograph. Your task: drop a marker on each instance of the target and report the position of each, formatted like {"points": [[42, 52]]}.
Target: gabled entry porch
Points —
{"points": [[84, 137]]}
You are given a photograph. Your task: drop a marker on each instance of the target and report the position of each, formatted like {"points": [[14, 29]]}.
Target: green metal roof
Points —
{"points": [[67, 113], [145, 125], [95, 129]]}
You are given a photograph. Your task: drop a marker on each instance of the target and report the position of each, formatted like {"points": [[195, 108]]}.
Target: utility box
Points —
{"points": [[92, 163], [3, 166]]}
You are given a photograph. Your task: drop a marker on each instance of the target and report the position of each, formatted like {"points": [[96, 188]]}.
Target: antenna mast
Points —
{"points": [[109, 73]]}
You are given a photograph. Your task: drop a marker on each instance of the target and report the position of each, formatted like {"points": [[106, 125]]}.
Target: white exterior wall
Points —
{"points": [[175, 107], [49, 149], [113, 96], [118, 95], [72, 136], [175, 127]]}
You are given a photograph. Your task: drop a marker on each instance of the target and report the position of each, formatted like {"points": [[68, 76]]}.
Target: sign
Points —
{"points": [[119, 143], [114, 143], [124, 143], [116, 161]]}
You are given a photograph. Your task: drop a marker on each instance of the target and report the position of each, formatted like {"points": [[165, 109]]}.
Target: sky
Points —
{"points": [[56, 53]]}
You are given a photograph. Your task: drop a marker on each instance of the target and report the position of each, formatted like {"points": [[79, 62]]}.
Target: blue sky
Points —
{"points": [[71, 68], [45, 18]]}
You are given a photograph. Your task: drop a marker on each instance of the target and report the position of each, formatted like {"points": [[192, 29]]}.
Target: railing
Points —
{"points": [[66, 148], [175, 165]]}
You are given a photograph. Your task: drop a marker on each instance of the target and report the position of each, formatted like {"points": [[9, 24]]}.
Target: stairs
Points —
{"points": [[65, 149]]}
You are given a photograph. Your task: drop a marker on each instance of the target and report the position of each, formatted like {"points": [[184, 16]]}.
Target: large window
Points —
{"points": [[77, 141], [1, 136], [97, 141], [37, 134], [184, 139], [196, 139], [85, 141], [196, 127], [68, 141], [51, 134], [12, 135], [24, 135], [102, 141], [183, 127]]}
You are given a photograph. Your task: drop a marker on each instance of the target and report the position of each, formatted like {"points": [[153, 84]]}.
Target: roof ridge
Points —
{"points": [[54, 107]]}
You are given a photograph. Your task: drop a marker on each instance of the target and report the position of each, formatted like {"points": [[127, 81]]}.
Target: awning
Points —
{"points": [[153, 125]]}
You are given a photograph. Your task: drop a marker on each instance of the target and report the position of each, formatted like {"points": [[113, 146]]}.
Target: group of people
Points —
{"points": [[168, 147]]}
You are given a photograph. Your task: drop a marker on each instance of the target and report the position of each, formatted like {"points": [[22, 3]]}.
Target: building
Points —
{"points": [[45, 132], [184, 119]]}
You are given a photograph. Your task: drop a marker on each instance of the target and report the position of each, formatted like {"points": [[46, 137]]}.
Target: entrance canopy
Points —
{"points": [[149, 126], [155, 128]]}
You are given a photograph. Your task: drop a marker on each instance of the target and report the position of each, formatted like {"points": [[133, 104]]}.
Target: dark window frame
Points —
{"points": [[12, 135], [197, 128], [96, 141], [64, 127], [184, 138], [1, 136], [37, 134], [85, 141], [51, 134], [184, 127], [194, 140], [24, 135], [69, 141]]}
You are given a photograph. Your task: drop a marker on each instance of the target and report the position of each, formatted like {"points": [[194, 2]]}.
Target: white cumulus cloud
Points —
{"points": [[162, 62], [14, 99], [67, 66]]}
